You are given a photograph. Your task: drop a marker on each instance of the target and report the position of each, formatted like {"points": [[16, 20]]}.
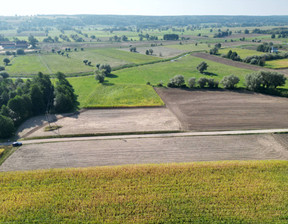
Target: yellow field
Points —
{"points": [[282, 63], [214, 192]]}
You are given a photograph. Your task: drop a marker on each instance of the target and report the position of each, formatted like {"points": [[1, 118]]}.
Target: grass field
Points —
{"points": [[282, 63], [243, 53], [31, 64], [127, 87], [214, 192], [185, 66], [190, 47], [92, 94]]}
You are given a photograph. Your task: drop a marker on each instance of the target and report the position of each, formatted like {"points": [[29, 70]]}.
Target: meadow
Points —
{"points": [[243, 53], [31, 64], [276, 64], [127, 87], [206, 192]]}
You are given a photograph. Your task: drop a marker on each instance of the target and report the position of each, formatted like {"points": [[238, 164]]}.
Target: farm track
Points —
{"points": [[237, 64], [122, 150], [45, 64]]}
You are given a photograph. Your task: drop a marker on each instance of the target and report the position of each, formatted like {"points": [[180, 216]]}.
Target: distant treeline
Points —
{"points": [[65, 22]]}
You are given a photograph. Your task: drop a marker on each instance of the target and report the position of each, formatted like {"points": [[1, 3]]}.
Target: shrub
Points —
{"points": [[202, 67], [100, 77], [229, 82], [212, 83], [4, 74], [192, 82], [2, 68], [20, 52], [160, 84], [177, 81], [202, 82]]}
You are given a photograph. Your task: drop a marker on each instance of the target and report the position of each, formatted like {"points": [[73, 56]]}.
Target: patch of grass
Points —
{"points": [[190, 47], [6, 152], [243, 53], [274, 64], [52, 128], [186, 66], [214, 192], [91, 94]]}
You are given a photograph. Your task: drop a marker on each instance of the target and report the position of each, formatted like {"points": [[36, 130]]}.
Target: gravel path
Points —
{"points": [[145, 150]]}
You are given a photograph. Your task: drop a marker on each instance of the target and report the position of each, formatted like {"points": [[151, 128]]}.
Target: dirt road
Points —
{"points": [[147, 150]]}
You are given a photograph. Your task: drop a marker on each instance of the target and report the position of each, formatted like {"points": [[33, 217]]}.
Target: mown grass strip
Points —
{"points": [[207, 192]]}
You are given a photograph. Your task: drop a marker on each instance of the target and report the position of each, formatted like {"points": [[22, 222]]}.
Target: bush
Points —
{"points": [[6, 127], [20, 52], [4, 74], [176, 81], [192, 82], [229, 82], [2, 68], [100, 77], [264, 80], [202, 82], [202, 67], [212, 83]]}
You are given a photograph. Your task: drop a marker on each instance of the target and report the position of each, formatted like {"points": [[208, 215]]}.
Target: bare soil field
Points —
{"points": [[110, 121], [201, 110], [145, 151]]}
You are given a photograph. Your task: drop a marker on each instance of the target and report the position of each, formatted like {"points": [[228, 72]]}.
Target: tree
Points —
{"points": [[214, 51], [202, 67], [273, 36], [32, 41], [151, 51], [85, 61], [177, 81], [4, 74], [20, 52], [147, 52], [202, 82], [171, 37], [229, 82], [100, 76], [6, 61], [192, 82], [37, 99], [106, 68], [65, 98], [2, 68], [6, 127]]}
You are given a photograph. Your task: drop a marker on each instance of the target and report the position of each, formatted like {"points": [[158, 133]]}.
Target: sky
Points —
{"points": [[145, 7]]}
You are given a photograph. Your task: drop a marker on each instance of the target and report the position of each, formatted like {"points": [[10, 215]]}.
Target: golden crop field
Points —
{"points": [[209, 192]]}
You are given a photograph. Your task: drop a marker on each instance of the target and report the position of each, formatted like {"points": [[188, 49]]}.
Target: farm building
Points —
{"points": [[14, 45]]}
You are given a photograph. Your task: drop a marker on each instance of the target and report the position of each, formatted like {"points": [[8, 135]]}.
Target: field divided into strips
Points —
{"points": [[282, 63], [243, 53], [218, 192], [31, 64]]}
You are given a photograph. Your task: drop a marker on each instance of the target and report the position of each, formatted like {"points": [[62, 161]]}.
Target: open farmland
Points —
{"points": [[225, 110], [31, 64], [243, 53], [230, 192], [276, 64]]}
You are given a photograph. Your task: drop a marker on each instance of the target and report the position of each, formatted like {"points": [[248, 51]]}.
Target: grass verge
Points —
{"points": [[207, 192]]}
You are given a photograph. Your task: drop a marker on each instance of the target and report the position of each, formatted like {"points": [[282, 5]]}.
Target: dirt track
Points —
{"points": [[225, 110], [147, 150], [237, 64]]}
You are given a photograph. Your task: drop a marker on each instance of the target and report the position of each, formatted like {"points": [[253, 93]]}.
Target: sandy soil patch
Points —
{"points": [[225, 110], [114, 121], [145, 150]]}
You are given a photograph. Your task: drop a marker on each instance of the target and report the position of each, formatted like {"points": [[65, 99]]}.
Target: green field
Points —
{"points": [[127, 87], [243, 53], [190, 47], [282, 63], [31, 64], [92, 94], [185, 66], [211, 192]]}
